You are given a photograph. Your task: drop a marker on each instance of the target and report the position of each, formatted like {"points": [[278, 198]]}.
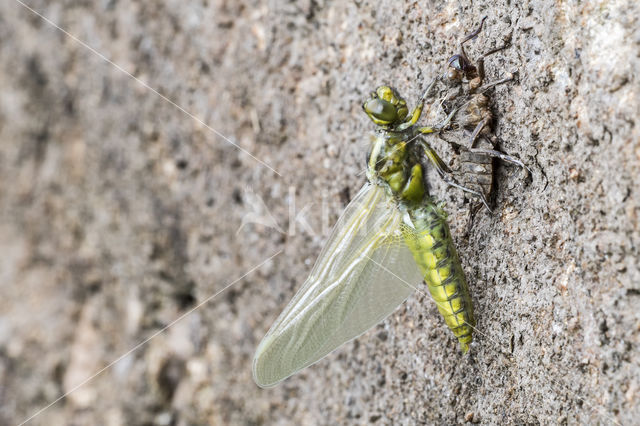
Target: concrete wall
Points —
{"points": [[120, 213]]}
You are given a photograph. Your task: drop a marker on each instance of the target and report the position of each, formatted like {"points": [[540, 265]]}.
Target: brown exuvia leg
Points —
{"points": [[488, 86], [480, 62], [473, 34], [473, 210], [501, 155], [469, 37], [446, 175], [476, 132]]}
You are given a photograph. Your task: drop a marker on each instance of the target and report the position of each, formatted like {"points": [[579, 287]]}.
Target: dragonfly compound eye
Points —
{"points": [[386, 107], [380, 111]]}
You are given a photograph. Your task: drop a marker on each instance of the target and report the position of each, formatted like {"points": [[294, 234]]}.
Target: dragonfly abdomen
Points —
{"points": [[434, 252]]}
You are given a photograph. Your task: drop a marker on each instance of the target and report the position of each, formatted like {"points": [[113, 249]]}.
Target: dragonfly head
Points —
{"points": [[385, 107]]}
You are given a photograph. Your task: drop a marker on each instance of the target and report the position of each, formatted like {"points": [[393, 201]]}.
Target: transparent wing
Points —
{"points": [[356, 282]]}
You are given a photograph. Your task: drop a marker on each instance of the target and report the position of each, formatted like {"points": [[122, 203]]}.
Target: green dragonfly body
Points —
{"points": [[397, 163], [390, 236]]}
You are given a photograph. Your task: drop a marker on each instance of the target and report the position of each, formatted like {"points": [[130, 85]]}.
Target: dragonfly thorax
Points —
{"points": [[393, 164]]}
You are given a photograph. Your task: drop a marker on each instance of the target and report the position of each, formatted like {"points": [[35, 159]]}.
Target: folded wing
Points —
{"points": [[362, 274]]}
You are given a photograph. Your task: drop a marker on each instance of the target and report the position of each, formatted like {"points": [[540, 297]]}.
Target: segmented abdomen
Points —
{"points": [[434, 252], [476, 170]]}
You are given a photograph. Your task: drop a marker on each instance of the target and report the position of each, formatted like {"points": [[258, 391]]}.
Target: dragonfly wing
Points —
{"points": [[362, 274]]}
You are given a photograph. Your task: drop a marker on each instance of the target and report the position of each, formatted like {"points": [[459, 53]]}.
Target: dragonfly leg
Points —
{"points": [[440, 126], [446, 175], [416, 113], [427, 92], [413, 117]]}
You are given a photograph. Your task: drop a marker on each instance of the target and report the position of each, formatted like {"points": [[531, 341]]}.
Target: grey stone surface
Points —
{"points": [[119, 213]]}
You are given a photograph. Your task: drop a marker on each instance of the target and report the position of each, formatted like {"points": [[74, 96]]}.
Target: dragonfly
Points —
{"points": [[390, 237]]}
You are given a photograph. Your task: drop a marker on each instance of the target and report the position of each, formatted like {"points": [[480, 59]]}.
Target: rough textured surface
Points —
{"points": [[119, 213]]}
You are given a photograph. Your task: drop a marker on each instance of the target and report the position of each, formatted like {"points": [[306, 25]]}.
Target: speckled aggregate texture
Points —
{"points": [[119, 213]]}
